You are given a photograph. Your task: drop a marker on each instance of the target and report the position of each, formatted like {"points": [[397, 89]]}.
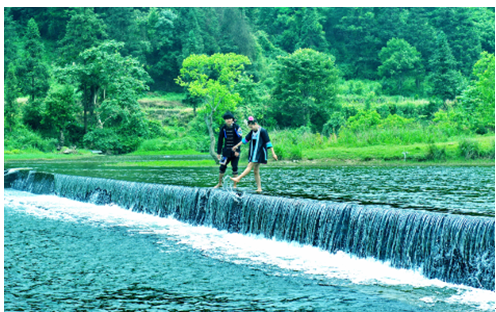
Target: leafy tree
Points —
{"points": [[10, 40], [11, 92], [164, 52], [444, 79], [312, 35], [484, 24], [305, 88], [33, 72], [462, 34], [110, 86], [400, 61], [235, 32], [60, 109], [361, 42], [213, 78], [478, 99], [84, 30]]}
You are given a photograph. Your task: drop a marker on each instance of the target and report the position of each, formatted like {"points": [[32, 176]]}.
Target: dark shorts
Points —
{"points": [[234, 163]]}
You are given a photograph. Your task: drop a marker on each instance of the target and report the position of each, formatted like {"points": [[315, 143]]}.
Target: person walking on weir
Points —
{"points": [[259, 144], [230, 134]]}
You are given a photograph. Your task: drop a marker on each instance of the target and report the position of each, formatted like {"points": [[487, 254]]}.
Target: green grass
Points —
{"points": [[418, 152], [151, 153], [34, 154], [167, 163], [163, 97]]}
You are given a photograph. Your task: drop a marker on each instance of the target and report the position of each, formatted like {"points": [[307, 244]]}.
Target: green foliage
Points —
{"points": [[10, 40], [469, 149], [32, 114], [155, 129], [33, 73], [213, 78], [462, 33], [394, 43], [400, 62], [11, 107], [110, 86], [105, 140], [362, 121], [436, 153], [360, 87], [150, 145], [478, 99], [23, 139], [444, 78], [84, 30], [60, 108], [305, 91]]}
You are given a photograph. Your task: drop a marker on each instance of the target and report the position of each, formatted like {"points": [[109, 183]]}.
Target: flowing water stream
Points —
{"points": [[76, 243]]}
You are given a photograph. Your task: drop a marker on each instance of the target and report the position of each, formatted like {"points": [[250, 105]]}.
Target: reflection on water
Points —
{"points": [[457, 190]]}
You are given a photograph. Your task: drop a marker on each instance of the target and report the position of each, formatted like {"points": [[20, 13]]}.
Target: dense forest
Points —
{"points": [[356, 76]]}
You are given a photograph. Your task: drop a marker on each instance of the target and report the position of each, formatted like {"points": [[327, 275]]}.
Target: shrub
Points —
{"points": [[24, 139], [152, 145], [155, 129], [436, 153], [185, 143], [105, 140], [469, 149]]}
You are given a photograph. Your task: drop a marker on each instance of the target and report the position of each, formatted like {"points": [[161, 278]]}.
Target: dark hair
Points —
{"points": [[252, 120], [228, 115]]}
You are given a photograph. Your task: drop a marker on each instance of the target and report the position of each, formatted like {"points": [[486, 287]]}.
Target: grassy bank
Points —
{"points": [[157, 153], [35, 154], [166, 163], [477, 151]]}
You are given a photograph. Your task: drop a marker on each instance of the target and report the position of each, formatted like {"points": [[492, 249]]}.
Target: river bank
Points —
{"points": [[420, 154]]}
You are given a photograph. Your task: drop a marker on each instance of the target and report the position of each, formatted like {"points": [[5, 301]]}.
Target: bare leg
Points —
{"points": [[256, 171], [235, 176], [247, 170], [221, 175]]}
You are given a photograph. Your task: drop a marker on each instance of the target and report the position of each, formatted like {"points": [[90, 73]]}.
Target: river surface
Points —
{"points": [[447, 189], [64, 255]]}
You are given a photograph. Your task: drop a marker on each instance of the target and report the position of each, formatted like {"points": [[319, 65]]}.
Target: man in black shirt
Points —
{"points": [[229, 135]]}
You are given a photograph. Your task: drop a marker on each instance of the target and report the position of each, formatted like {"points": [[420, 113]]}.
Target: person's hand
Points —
{"points": [[274, 156], [236, 154], [218, 156], [234, 148]]}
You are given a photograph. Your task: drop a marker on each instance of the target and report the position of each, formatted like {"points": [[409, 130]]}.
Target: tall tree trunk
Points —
{"points": [[85, 109], [61, 139], [209, 122]]}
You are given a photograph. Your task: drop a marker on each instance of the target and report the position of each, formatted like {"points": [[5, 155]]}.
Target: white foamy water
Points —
{"points": [[252, 249]]}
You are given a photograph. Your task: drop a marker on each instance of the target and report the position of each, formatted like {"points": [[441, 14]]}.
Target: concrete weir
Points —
{"points": [[454, 248]]}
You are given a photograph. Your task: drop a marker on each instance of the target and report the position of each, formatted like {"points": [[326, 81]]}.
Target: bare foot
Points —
{"points": [[236, 180], [259, 191], [218, 185]]}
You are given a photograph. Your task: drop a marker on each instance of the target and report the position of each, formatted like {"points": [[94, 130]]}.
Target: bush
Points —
{"points": [[185, 143], [155, 129], [24, 139], [436, 153], [469, 149], [105, 140], [152, 145]]}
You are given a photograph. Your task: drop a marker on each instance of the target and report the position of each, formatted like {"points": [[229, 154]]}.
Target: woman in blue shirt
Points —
{"points": [[259, 144]]}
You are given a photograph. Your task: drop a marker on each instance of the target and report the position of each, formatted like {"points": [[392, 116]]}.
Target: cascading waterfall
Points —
{"points": [[453, 248]]}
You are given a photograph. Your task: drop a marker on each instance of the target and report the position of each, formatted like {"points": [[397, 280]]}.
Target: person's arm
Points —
{"points": [[220, 142], [243, 141], [239, 135], [268, 144]]}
